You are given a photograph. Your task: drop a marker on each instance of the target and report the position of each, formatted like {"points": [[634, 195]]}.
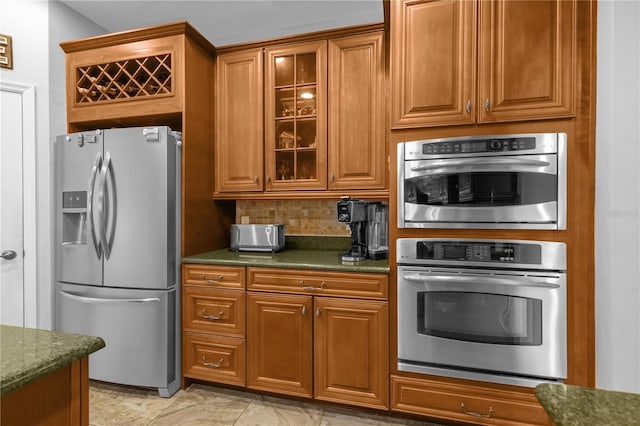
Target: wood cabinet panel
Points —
{"points": [[215, 276], [527, 60], [326, 283], [351, 351], [214, 358], [280, 343], [59, 398], [213, 310], [239, 145], [357, 143], [466, 403], [433, 57]]}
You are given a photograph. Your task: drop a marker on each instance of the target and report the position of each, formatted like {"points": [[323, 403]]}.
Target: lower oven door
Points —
{"points": [[500, 322]]}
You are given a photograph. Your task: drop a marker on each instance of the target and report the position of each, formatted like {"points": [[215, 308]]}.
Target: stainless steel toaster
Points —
{"points": [[257, 237]]}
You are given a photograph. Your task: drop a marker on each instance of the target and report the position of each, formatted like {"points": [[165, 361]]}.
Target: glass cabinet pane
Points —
{"points": [[285, 135], [306, 68], [285, 103], [284, 70], [306, 101], [306, 165], [306, 133], [284, 165]]}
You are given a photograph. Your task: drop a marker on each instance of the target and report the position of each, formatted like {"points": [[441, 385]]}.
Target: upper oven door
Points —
{"points": [[520, 191], [498, 321]]}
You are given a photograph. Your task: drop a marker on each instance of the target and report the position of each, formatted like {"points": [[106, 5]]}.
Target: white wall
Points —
{"points": [[618, 196], [36, 62], [27, 22]]}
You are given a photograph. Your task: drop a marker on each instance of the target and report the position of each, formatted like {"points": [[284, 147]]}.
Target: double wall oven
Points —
{"points": [[480, 309], [489, 310]]}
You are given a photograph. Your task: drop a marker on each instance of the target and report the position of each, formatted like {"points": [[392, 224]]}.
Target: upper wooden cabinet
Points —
{"points": [[462, 62], [357, 154], [125, 76], [323, 117], [295, 115], [239, 145]]}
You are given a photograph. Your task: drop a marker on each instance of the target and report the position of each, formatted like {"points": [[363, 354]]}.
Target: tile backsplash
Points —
{"points": [[300, 217]]}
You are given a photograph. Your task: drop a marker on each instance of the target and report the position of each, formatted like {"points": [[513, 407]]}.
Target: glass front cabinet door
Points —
{"points": [[295, 98]]}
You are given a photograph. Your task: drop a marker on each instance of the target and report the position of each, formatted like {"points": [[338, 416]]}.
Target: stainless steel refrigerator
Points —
{"points": [[117, 242]]}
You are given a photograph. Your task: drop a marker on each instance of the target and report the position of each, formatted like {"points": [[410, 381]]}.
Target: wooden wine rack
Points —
{"points": [[132, 78]]}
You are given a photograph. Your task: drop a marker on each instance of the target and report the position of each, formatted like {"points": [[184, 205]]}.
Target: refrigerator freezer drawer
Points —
{"points": [[138, 327]]}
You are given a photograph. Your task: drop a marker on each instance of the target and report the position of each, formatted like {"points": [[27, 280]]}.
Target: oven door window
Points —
{"points": [[480, 189], [480, 317]]}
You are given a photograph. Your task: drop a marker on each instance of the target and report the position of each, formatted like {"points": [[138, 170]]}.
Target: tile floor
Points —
{"points": [[210, 405]]}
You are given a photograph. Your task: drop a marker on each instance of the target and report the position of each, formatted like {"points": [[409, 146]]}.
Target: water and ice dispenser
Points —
{"points": [[74, 217]]}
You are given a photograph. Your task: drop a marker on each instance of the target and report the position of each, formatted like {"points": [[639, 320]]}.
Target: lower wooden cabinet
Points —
{"points": [[213, 324], [280, 343], [214, 358], [466, 403], [319, 334], [351, 351]]}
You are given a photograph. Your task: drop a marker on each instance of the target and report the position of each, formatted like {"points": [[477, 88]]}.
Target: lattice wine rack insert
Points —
{"points": [[131, 78]]}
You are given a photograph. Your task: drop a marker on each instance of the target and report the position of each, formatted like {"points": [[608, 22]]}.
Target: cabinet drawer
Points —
{"points": [[347, 284], [213, 310], [459, 402], [213, 276], [213, 358]]}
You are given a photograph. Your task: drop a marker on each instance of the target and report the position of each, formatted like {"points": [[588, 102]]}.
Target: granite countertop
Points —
{"points": [[577, 405], [26, 354], [319, 253]]}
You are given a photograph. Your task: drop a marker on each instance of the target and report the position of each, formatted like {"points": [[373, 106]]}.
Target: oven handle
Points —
{"points": [[480, 162], [515, 281]]}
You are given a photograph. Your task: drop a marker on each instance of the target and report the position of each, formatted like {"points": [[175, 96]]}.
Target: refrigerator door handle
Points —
{"points": [[113, 203], [106, 207], [97, 164], [108, 300]]}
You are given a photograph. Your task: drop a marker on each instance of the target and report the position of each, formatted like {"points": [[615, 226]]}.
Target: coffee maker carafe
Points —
{"points": [[368, 222], [377, 231]]}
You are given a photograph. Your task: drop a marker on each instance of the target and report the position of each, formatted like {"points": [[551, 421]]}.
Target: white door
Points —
{"points": [[17, 118]]}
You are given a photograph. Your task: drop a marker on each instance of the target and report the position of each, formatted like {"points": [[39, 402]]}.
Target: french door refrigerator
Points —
{"points": [[117, 242]]}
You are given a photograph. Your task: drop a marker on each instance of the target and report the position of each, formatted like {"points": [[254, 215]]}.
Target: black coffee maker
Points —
{"points": [[364, 220]]}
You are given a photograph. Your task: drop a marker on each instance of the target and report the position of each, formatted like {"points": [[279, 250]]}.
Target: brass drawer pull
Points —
{"points": [[312, 287], [212, 364], [210, 281], [475, 413], [212, 317]]}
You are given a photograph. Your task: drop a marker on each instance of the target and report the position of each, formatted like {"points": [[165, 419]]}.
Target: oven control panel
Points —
{"points": [[481, 253], [478, 251]]}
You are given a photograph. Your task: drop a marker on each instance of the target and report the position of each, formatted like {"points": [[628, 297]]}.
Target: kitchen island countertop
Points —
{"points": [[319, 259], [577, 405], [28, 354]]}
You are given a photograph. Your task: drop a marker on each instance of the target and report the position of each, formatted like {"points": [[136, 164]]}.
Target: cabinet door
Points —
{"points": [[295, 115], [527, 59], [239, 148], [280, 343], [433, 62], [357, 154], [351, 352]]}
